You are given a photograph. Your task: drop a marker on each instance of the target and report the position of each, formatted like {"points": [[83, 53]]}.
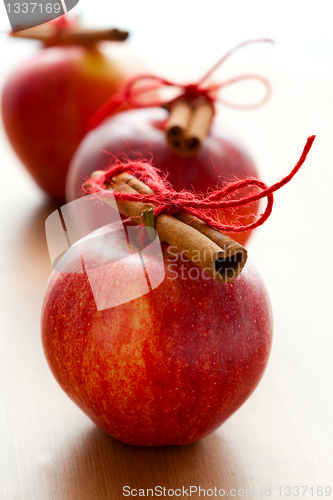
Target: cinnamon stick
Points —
{"points": [[234, 255], [132, 209], [218, 255], [193, 244], [198, 127], [188, 125], [72, 35], [132, 181], [179, 120]]}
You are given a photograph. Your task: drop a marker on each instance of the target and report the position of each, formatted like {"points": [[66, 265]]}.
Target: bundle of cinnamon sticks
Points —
{"points": [[218, 255], [188, 125]]}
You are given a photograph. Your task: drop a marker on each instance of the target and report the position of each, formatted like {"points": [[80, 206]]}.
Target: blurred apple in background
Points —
{"points": [[48, 100], [141, 133]]}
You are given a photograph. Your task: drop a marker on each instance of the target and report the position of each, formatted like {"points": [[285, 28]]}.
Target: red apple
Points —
{"points": [[167, 367], [48, 101], [140, 132]]}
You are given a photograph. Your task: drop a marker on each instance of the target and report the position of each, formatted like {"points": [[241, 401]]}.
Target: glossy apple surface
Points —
{"points": [[140, 133], [47, 102], [166, 368]]}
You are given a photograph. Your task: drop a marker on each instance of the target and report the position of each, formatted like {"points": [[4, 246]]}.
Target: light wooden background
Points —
{"points": [[283, 435]]}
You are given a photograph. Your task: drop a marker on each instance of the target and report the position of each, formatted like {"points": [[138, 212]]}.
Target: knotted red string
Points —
{"points": [[63, 22], [129, 93], [167, 200]]}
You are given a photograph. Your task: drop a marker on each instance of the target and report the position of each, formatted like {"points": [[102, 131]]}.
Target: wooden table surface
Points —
{"points": [[283, 435]]}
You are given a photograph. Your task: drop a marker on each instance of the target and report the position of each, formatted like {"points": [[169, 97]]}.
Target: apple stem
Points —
{"points": [[148, 220]]}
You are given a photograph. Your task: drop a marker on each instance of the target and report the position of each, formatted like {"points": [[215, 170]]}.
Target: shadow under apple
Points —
{"points": [[98, 467]]}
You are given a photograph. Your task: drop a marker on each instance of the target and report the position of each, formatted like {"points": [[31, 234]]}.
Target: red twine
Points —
{"points": [[130, 93], [62, 23], [167, 200]]}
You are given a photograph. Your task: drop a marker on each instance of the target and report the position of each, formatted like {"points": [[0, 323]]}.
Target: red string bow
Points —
{"points": [[167, 200], [130, 92]]}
